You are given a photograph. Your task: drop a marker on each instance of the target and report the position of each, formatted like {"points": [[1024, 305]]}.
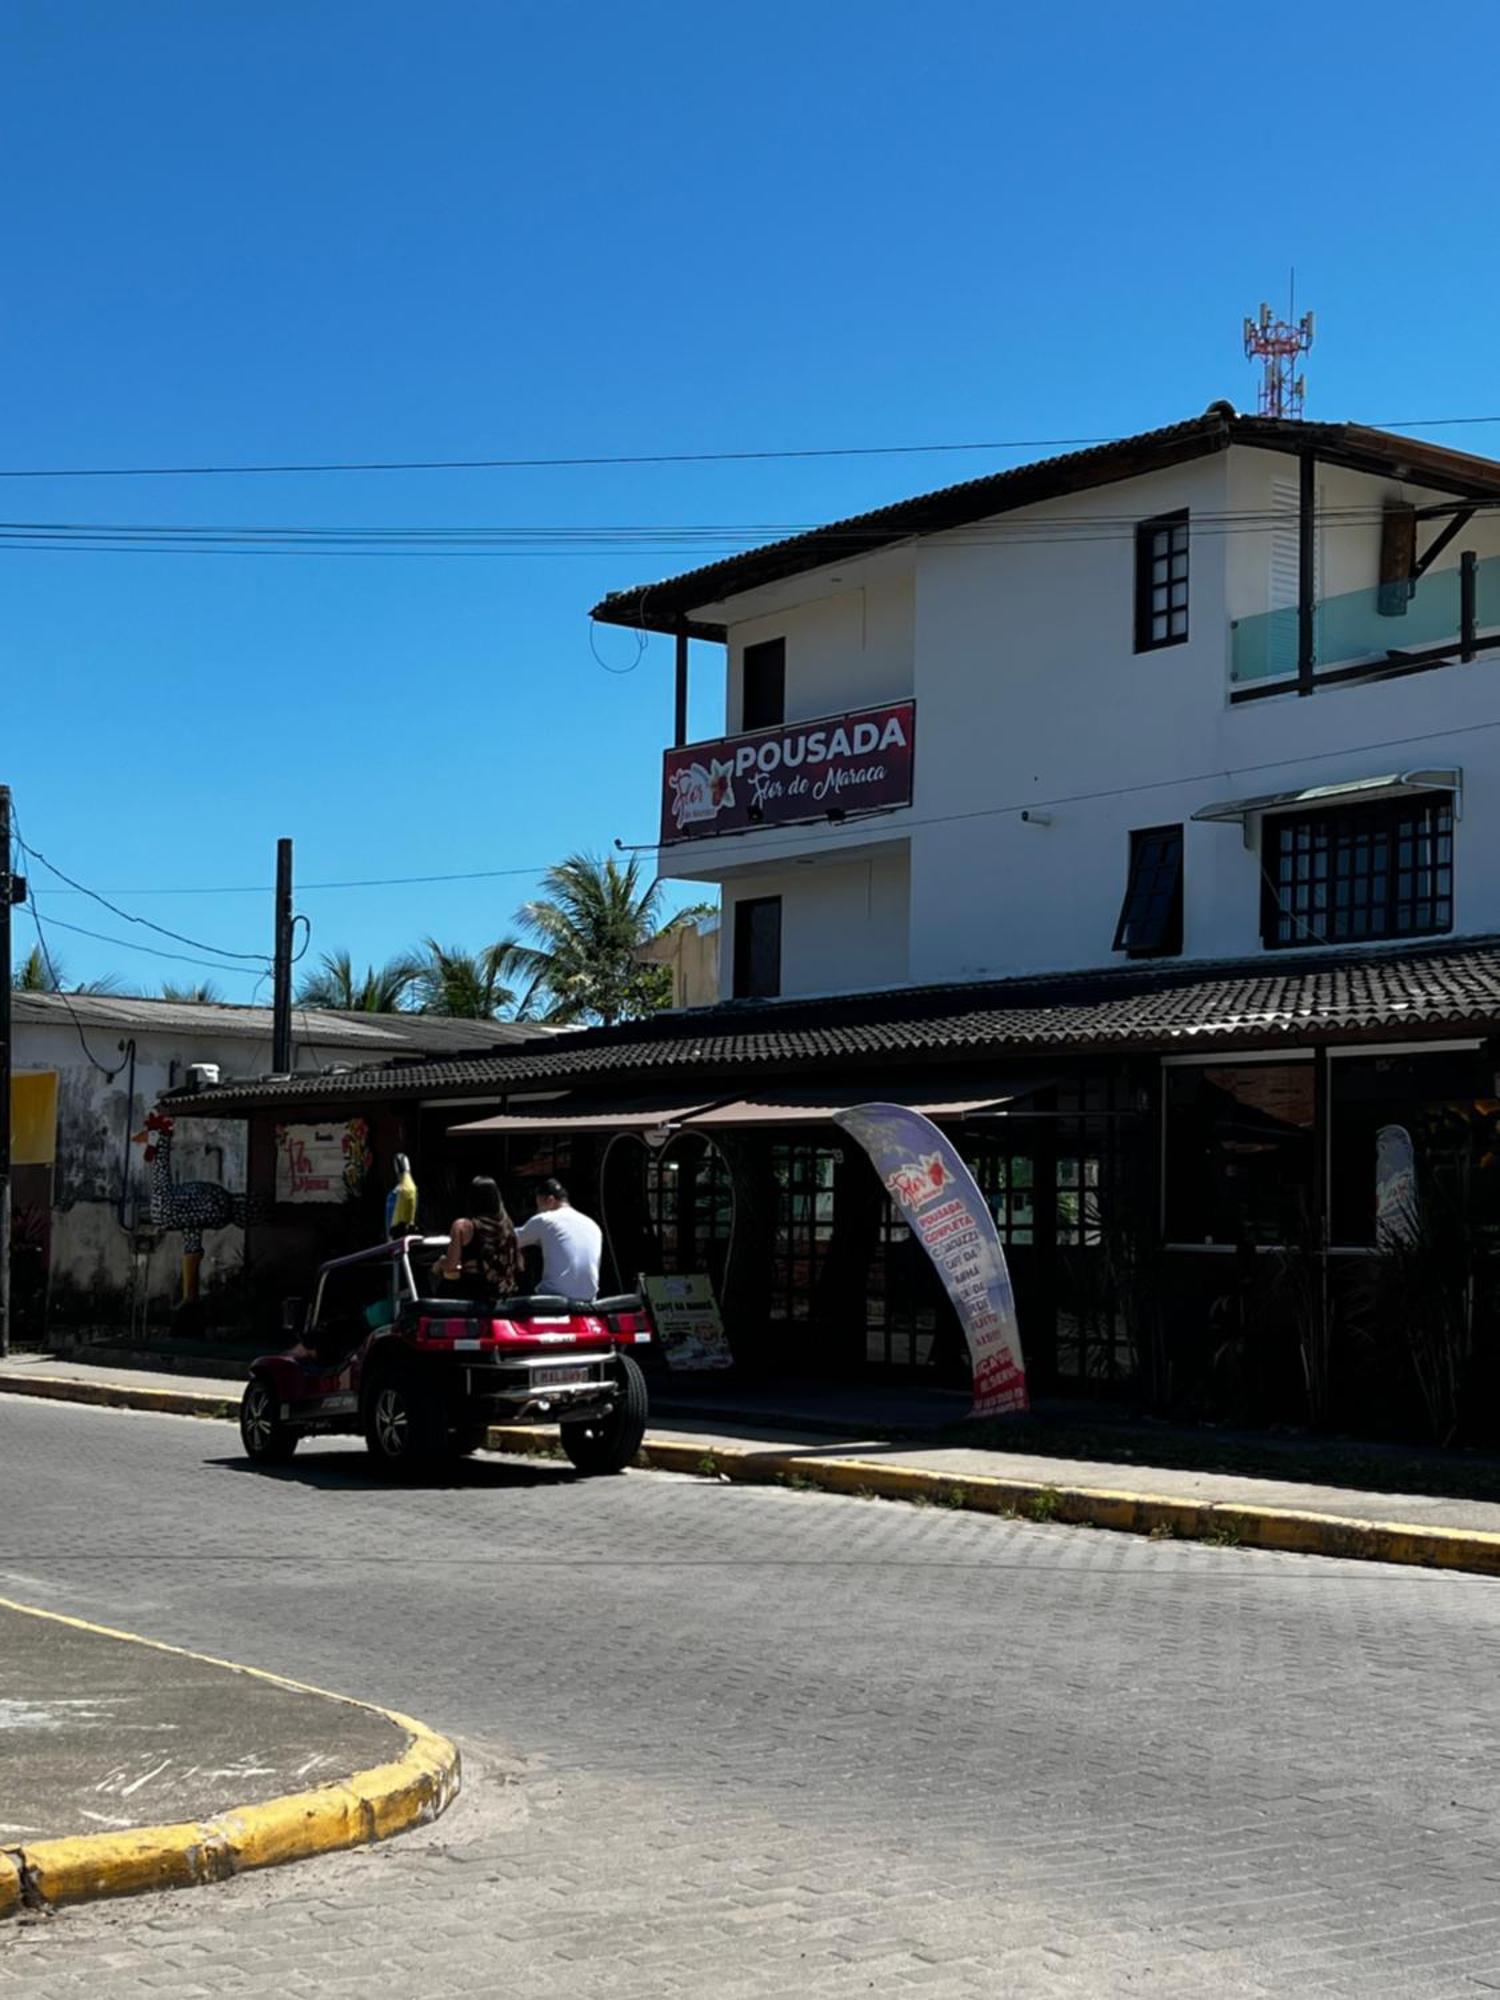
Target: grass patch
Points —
{"points": [[1222, 1535]]}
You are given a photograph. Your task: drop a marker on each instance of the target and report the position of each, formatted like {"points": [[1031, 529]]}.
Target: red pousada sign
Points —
{"points": [[829, 767]]}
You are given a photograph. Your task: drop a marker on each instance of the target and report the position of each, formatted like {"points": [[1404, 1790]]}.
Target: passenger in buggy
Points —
{"points": [[483, 1259]]}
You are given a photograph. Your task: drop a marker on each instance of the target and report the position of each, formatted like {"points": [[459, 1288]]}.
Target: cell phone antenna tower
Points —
{"points": [[1277, 345]]}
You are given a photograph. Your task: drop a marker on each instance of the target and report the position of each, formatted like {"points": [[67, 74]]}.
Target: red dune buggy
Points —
{"points": [[423, 1379]]}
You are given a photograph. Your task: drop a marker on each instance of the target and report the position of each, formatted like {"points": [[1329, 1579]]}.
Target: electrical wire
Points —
{"points": [[127, 916], [702, 543], [797, 836], [19, 846], [594, 459], [130, 944], [767, 836], [306, 888]]}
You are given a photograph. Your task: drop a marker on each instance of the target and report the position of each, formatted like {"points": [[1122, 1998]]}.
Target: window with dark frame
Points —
{"points": [[1161, 582], [1346, 874], [757, 948], [1150, 923], [763, 685], [802, 1224]]}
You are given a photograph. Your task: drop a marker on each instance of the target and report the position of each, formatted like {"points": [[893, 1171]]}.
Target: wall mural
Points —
{"points": [[189, 1207]]}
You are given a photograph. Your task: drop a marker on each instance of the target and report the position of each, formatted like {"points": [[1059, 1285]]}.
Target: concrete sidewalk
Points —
{"points": [[125, 1765]]}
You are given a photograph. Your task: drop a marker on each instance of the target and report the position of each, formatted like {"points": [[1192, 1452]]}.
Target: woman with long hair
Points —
{"points": [[483, 1258]]}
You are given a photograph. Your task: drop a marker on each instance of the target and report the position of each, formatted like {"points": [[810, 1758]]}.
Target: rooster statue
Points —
{"points": [[188, 1206]]}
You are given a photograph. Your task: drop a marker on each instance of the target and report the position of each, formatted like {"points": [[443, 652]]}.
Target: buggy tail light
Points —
{"points": [[627, 1323]]}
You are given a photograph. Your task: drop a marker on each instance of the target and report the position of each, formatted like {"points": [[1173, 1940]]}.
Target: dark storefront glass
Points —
{"points": [[1239, 1153], [803, 1177], [690, 1204], [1441, 1102]]}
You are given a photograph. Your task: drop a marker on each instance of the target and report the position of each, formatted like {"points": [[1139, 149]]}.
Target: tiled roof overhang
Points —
{"points": [[676, 603], [1446, 988]]}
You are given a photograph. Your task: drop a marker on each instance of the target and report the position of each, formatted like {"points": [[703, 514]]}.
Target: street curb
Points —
{"points": [[1229, 1523], [371, 1805], [1234, 1523], [119, 1396]]}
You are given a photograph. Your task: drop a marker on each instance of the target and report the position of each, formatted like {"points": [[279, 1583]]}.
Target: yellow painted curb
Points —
{"points": [[1231, 1522], [120, 1395], [371, 1805]]}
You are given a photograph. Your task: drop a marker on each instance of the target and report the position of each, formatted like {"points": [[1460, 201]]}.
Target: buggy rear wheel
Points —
{"points": [[267, 1437], [608, 1444]]}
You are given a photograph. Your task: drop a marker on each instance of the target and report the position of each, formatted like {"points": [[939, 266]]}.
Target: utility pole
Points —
{"points": [[281, 1001], [9, 885]]}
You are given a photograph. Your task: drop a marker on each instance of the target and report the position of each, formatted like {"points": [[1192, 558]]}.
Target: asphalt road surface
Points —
{"points": [[726, 1741]]}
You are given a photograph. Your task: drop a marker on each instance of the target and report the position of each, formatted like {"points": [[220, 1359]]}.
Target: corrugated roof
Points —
{"points": [[1263, 1001], [673, 603], [312, 1027]]}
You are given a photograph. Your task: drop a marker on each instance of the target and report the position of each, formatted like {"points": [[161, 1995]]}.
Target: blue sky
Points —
{"points": [[300, 230]]}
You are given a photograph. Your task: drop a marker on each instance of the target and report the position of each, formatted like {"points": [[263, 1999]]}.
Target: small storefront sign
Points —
{"points": [[686, 1317], [798, 771], [322, 1162], [942, 1204]]}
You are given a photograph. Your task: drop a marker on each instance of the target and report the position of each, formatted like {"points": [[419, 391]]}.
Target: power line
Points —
{"points": [[797, 836], [369, 882], [766, 836], [51, 964], [584, 460], [698, 542], [127, 916], [130, 944]]}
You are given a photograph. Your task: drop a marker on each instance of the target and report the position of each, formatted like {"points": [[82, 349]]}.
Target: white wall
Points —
{"points": [[96, 1116], [849, 648], [1030, 694], [843, 923]]}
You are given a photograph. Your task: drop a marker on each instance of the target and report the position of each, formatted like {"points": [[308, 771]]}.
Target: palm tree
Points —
{"points": [[588, 925], [204, 994], [382, 989], [467, 986], [40, 972], [34, 974]]}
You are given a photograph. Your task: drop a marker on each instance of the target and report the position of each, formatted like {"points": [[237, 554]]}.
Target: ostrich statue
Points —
{"points": [[188, 1206]]}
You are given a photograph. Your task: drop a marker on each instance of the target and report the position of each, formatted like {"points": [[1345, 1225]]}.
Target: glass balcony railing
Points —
{"points": [[1359, 626]]}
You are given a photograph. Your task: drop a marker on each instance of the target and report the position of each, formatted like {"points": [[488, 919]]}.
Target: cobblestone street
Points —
{"points": [[731, 1741]]}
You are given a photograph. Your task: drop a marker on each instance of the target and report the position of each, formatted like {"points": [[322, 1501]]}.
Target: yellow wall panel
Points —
{"points": [[33, 1118]]}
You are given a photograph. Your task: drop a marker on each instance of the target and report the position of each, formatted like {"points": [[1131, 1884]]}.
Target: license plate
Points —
{"points": [[557, 1378]]}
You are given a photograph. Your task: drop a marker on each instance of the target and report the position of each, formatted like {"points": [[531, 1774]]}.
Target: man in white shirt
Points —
{"points": [[571, 1244]]}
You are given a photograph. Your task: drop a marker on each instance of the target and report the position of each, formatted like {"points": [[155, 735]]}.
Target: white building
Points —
{"points": [[1135, 815], [1106, 655], [88, 1068]]}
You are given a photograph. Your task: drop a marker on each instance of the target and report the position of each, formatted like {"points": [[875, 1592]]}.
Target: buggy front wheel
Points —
{"points": [[268, 1439]]}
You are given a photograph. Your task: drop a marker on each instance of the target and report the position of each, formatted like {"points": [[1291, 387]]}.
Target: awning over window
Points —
{"points": [[574, 1112], [1390, 785], [793, 1107]]}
